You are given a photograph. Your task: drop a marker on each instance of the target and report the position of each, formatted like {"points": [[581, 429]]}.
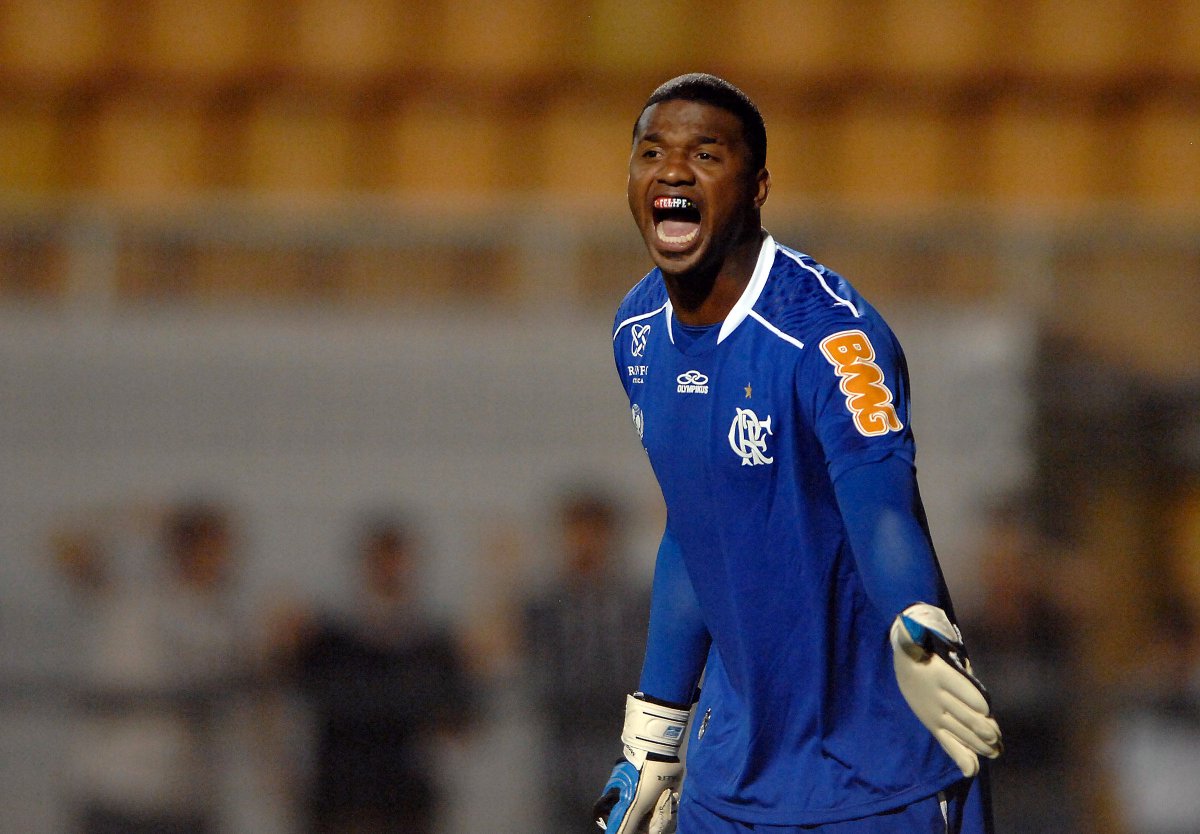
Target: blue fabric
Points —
{"points": [[748, 427], [885, 521], [967, 811], [678, 640]]}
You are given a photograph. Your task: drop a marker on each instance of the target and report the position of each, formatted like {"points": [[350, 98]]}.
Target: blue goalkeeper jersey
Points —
{"points": [[747, 425]]}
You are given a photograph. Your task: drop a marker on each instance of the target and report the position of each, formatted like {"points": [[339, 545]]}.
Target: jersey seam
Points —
{"points": [[844, 302], [638, 317], [757, 316]]}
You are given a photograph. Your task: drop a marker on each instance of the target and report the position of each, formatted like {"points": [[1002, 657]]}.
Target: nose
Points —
{"points": [[675, 169]]}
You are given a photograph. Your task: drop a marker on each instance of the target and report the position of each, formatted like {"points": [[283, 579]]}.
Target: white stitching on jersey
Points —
{"points": [[631, 320], [842, 301], [758, 317]]}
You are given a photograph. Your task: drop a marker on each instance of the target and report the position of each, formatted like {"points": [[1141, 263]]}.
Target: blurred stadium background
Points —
{"points": [[313, 257]]}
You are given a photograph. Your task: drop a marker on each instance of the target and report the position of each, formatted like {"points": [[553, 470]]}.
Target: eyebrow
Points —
{"points": [[700, 140]]}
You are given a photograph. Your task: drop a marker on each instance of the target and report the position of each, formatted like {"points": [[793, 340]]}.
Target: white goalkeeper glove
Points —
{"points": [[936, 680], [642, 794]]}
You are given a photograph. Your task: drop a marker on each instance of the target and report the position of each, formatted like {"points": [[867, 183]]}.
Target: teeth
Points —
{"points": [[673, 203], [676, 239]]}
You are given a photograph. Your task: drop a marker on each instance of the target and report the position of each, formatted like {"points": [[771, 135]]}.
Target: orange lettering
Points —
{"points": [[867, 397]]}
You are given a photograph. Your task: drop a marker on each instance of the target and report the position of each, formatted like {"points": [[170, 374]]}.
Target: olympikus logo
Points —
{"points": [[867, 397], [692, 382]]}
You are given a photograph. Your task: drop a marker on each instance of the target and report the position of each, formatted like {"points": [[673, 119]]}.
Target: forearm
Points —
{"points": [[886, 525], [677, 641]]}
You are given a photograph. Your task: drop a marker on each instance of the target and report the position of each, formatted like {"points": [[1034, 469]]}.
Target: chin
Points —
{"points": [[679, 263]]}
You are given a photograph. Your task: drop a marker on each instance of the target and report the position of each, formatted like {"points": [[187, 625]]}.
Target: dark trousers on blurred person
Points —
{"points": [[578, 768], [409, 808], [100, 820], [366, 822]]}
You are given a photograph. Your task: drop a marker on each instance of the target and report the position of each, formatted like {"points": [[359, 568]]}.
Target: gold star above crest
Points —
{"points": [[747, 390]]}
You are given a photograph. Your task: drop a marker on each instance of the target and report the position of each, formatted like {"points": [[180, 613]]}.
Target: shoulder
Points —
{"points": [[805, 302], [647, 298]]}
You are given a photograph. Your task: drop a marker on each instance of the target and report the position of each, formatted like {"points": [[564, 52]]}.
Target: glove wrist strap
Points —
{"points": [[652, 728]]}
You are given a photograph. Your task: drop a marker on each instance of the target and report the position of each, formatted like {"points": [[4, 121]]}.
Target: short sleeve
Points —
{"points": [[854, 384]]}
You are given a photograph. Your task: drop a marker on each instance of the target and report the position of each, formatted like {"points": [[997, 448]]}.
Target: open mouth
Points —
{"points": [[676, 220]]}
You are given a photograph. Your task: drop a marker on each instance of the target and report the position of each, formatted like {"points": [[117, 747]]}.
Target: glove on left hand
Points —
{"points": [[936, 680]]}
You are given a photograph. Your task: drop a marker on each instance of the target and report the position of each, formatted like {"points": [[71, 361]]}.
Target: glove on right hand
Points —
{"points": [[643, 792]]}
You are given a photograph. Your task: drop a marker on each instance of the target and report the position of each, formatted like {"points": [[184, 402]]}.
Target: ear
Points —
{"points": [[762, 187]]}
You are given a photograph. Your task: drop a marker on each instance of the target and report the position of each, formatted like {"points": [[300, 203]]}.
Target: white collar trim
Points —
{"points": [[758, 280]]}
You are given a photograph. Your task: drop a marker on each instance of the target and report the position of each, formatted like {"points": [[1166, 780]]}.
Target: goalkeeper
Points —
{"points": [[796, 570]]}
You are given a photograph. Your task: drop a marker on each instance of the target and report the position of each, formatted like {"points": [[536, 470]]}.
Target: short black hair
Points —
{"points": [[588, 504], [386, 530], [192, 523], [709, 89]]}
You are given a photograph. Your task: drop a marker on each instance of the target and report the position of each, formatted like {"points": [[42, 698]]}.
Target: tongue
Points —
{"points": [[678, 228]]}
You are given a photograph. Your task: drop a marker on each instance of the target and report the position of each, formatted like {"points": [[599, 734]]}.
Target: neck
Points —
{"points": [[706, 295]]}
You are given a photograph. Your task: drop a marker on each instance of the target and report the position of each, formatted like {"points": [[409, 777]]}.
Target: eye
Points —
{"points": [[651, 153], [705, 156]]}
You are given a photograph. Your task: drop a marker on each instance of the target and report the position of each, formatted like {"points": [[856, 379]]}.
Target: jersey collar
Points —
{"points": [[749, 297]]}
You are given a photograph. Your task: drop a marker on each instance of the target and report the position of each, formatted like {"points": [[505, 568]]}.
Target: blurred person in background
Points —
{"points": [[1151, 739], [162, 658], [1151, 742], [82, 562], [583, 637], [1023, 632], [383, 682]]}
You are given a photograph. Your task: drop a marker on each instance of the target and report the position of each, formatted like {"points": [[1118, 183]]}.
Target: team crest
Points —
{"points": [[748, 437], [868, 399], [639, 333]]}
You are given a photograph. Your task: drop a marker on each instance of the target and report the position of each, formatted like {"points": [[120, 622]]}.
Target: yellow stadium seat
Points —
{"points": [[648, 42], [782, 41], [1041, 154], [297, 144], [1085, 39], [1181, 37], [354, 40], [437, 146], [503, 43], [1166, 154], [935, 39], [183, 42], [583, 148], [801, 153], [54, 42], [894, 153], [147, 147], [29, 152]]}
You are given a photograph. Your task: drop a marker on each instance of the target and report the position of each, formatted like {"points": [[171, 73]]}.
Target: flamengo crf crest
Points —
{"points": [[748, 437]]}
